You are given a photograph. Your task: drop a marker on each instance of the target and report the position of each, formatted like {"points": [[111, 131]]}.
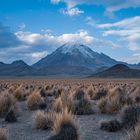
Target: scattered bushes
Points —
{"points": [[109, 105], [7, 101], [111, 126], [113, 105], [62, 102], [83, 107], [99, 94], [129, 116], [102, 105], [79, 94], [135, 134], [64, 127], [43, 120], [34, 101], [3, 134], [20, 94]]}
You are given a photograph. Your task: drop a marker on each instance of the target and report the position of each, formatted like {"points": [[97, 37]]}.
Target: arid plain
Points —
{"points": [[69, 109]]}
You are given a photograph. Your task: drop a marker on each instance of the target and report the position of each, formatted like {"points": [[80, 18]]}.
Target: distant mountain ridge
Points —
{"points": [[16, 68], [118, 71], [68, 60]]}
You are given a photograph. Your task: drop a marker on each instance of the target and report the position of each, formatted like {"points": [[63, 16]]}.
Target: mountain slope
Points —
{"points": [[17, 68], [118, 71], [64, 71], [75, 55]]}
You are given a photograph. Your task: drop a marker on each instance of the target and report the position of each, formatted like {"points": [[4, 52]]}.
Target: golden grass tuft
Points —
{"points": [[3, 134], [102, 105], [7, 101], [134, 134], [113, 105], [43, 120], [34, 100], [19, 94], [64, 117], [62, 102]]}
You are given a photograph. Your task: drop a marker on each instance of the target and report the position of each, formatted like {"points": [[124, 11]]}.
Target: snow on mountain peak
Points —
{"points": [[71, 48]]}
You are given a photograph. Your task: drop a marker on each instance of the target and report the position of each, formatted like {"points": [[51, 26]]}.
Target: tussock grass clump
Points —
{"points": [[99, 94], [134, 134], [43, 92], [3, 134], [7, 101], [57, 92], [111, 126], [79, 94], [62, 102], [115, 91], [20, 94], [34, 100], [58, 105], [43, 120], [83, 107], [129, 116], [113, 105], [64, 127], [110, 106], [102, 105]]}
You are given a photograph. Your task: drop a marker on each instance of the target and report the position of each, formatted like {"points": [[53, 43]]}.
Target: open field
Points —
{"points": [[69, 109]]}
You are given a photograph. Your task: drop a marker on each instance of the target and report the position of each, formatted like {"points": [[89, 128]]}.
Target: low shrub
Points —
{"points": [[7, 101], [129, 116], [34, 100], [111, 126], [43, 120], [64, 127], [83, 107], [3, 134]]}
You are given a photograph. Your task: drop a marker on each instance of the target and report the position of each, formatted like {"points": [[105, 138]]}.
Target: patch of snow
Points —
{"points": [[70, 47]]}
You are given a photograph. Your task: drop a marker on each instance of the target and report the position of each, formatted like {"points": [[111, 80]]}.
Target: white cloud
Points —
{"points": [[110, 5], [127, 30], [39, 55], [72, 11], [81, 36], [126, 23]]}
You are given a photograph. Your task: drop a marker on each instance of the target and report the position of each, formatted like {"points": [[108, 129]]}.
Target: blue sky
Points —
{"points": [[31, 29]]}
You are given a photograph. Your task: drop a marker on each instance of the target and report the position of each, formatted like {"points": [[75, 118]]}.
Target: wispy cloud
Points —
{"points": [[133, 22], [72, 11], [128, 30], [110, 5]]}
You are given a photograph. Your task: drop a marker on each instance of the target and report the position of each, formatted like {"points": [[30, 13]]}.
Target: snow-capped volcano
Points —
{"points": [[75, 55]]}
